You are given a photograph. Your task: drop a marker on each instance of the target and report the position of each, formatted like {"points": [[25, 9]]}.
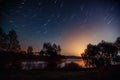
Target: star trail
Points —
{"points": [[71, 23]]}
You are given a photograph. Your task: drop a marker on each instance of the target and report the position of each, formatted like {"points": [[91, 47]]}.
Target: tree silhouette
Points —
{"points": [[30, 50], [13, 44], [90, 53], [101, 54], [117, 43], [72, 66], [3, 40], [91, 50], [108, 51], [51, 52]]}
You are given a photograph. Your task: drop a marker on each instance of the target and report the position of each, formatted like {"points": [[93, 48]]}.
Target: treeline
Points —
{"points": [[11, 54], [9, 49], [103, 54], [9, 41]]}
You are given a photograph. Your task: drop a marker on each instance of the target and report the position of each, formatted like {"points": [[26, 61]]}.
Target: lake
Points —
{"points": [[27, 65]]}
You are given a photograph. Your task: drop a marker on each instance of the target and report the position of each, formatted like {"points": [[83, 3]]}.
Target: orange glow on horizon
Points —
{"points": [[81, 63], [75, 42]]}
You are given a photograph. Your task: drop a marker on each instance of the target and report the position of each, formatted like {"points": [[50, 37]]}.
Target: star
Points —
{"points": [[23, 26], [110, 21], [34, 15], [11, 21], [106, 17], [23, 3], [86, 20], [61, 20], [64, 20], [39, 3], [61, 5], [112, 8], [20, 7], [58, 15], [38, 32], [72, 16], [48, 20], [45, 24], [24, 15], [45, 32], [82, 7], [55, 1]]}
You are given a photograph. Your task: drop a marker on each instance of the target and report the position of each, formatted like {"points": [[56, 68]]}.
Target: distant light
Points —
{"points": [[118, 54]]}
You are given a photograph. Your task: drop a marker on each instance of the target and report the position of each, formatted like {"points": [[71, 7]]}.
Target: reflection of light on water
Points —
{"points": [[27, 65], [42, 64], [81, 63], [119, 54]]}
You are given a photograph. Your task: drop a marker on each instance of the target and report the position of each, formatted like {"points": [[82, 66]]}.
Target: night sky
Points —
{"points": [[71, 23]]}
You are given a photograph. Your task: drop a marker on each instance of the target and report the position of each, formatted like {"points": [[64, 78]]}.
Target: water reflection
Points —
{"points": [[80, 62], [26, 65]]}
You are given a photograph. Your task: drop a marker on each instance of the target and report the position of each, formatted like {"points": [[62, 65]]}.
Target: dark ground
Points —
{"points": [[111, 73]]}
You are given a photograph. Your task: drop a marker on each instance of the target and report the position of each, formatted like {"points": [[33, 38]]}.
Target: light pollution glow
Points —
{"points": [[76, 40], [71, 24]]}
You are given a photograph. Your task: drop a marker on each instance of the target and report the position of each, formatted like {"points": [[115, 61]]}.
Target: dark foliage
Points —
{"points": [[51, 54], [3, 40], [117, 43], [101, 54], [30, 50], [13, 43], [9, 42], [71, 66]]}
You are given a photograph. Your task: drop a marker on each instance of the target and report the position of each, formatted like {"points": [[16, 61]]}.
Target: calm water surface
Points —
{"points": [[43, 64]]}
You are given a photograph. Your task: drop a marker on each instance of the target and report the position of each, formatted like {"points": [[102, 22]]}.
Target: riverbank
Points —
{"points": [[111, 73]]}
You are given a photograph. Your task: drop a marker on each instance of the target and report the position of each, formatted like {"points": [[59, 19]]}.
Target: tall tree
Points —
{"points": [[100, 55], [91, 50], [51, 52], [50, 49], [90, 53], [30, 50], [13, 44], [3, 40], [107, 49], [117, 43]]}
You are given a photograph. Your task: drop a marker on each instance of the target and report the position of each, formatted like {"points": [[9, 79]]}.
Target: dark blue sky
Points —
{"points": [[71, 23]]}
